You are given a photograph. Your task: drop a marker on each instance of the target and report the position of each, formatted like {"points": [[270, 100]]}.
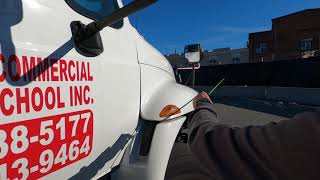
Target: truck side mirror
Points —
{"points": [[87, 37], [193, 53]]}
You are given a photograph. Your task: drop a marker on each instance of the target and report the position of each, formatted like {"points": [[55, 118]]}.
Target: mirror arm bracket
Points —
{"points": [[87, 38]]}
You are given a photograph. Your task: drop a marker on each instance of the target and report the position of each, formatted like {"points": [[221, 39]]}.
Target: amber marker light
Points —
{"points": [[169, 110]]}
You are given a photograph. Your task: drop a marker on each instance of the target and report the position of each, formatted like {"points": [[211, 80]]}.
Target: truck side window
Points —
{"points": [[95, 9]]}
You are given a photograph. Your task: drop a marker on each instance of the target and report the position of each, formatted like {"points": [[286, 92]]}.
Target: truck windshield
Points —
{"points": [[95, 9]]}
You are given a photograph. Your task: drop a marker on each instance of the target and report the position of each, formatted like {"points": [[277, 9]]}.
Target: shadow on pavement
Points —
{"points": [[283, 109]]}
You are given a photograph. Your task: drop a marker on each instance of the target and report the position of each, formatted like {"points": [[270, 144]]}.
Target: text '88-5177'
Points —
{"points": [[34, 148]]}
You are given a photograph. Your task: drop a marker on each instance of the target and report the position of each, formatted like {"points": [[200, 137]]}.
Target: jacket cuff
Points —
{"points": [[207, 114], [206, 105]]}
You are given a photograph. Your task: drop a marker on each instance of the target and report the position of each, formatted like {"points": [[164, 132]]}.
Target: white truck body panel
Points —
{"points": [[155, 166], [159, 89], [103, 94], [148, 55], [158, 84]]}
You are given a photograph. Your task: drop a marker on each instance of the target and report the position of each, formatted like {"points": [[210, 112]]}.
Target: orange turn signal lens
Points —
{"points": [[169, 110]]}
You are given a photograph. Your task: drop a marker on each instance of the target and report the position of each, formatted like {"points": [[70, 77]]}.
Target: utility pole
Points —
{"points": [[194, 75]]}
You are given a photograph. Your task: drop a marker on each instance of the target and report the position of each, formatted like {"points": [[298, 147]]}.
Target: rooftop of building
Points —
{"points": [[259, 33], [218, 50], [296, 13], [285, 16]]}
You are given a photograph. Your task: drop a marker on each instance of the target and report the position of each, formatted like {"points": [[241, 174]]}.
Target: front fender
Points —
{"points": [[159, 89]]}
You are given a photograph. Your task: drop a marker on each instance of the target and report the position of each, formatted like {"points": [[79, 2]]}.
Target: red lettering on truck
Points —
{"points": [[39, 69], [27, 66], [3, 73], [3, 95], [23, 100], [33, 97], [44, 145], [14, 68]]}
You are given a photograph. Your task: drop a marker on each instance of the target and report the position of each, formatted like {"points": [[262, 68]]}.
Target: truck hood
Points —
{"points": [[148, 55]]}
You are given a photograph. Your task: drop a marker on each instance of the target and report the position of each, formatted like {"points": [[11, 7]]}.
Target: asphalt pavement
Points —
{"points": [[240, 112], [236, 112]]}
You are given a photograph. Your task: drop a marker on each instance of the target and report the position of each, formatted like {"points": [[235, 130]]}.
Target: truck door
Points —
{"points": [[63, 115]]}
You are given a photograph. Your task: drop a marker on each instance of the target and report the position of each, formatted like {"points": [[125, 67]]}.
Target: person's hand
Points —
{"points": [[200, 96]]}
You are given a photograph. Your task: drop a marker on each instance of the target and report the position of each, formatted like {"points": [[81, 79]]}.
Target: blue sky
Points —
{"points": [[170, 24]]}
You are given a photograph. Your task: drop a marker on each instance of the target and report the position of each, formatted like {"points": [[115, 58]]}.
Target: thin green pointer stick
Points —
{"points": [[213, 89], [216, 87]]}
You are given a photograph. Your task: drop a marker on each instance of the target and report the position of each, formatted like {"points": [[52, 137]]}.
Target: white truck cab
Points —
{"points": [[78, 101]]}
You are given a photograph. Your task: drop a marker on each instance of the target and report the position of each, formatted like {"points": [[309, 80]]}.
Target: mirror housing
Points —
{"points": [[87, 38], [193, 53]]}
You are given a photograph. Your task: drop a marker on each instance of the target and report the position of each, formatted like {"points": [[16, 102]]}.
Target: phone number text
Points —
{"points": [[35, 148]]}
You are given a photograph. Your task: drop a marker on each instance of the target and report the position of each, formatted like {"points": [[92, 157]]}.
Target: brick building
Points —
{"points": [[292, 36]]}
